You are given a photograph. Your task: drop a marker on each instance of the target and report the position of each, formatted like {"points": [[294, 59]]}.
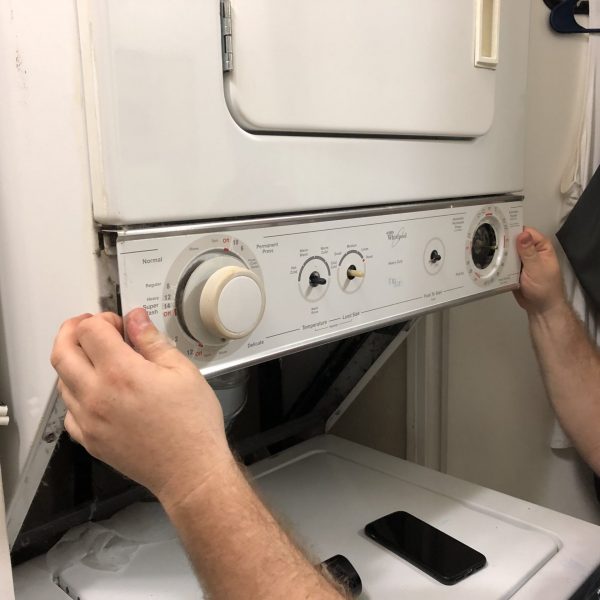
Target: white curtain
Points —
{"points": [[585, 162]]}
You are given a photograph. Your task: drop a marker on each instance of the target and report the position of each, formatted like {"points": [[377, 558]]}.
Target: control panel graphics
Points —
{"points": [[233, 294]]}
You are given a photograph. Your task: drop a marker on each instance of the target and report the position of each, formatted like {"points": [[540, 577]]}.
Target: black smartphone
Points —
{"points": [[431, 550]]}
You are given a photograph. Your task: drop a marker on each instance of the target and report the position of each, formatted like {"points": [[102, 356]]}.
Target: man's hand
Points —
{"points": [[542, 288], [569, 360], [150, 414]]}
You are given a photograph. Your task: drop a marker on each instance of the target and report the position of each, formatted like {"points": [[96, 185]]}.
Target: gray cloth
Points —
{"points": [[580, 238]]}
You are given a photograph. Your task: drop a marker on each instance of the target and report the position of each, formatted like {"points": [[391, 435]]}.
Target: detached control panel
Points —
{"points": [[235, 293]]}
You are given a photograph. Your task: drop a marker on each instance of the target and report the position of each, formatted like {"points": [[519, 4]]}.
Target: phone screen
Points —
{"points": [[441, 556]]}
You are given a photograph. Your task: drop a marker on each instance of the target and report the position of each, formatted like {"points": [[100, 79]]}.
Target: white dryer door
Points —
{"points": [[374, 67]]}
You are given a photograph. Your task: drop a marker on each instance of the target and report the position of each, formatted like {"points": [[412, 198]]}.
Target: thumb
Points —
{"points": [[148, 340], [527, 249]]}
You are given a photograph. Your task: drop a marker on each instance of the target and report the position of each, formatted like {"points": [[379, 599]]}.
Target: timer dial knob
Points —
{"points": [[487, 245], [232, 302]]}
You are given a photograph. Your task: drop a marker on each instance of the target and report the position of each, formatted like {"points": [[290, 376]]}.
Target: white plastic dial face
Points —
{"points": [[232, 302], [190, 291], [183, 286], [475, 253], [487, 246], [240, 305]]}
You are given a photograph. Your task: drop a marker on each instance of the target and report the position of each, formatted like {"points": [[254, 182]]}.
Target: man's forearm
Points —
{"points": [[238, 549], [571, 369]]}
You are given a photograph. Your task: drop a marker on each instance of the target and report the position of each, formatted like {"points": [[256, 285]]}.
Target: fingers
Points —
{"points": [[518, 295], [73, 428], [70, 424], [149, 341], [112, 319], [68, 397], [526, 246], [68, 358], [531, 244], [541, 282], [88, 342], [102, 340]]}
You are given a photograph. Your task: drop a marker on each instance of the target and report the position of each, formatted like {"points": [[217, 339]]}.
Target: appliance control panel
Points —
{"points": [[236, 293]]}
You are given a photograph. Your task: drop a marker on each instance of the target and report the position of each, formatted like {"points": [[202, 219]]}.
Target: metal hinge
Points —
{"points": [[226, 35]]}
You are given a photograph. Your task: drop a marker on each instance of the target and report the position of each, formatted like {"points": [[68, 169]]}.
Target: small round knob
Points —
{"points": [[315, 279], [352, 272], [435, 257], [232, 303]]}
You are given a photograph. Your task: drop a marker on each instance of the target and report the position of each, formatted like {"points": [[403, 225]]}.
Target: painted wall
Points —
{"points": [[46, 237], [499, 420]]}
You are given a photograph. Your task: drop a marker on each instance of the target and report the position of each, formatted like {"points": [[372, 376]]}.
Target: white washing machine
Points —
{"points": [[326, 490]]}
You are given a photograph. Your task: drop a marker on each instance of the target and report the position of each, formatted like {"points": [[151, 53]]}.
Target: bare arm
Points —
{"points": [[151, 415], [238, 548], [569, 360]]}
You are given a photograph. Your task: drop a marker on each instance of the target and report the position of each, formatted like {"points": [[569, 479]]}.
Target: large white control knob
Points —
{"points": [[232, 303]]}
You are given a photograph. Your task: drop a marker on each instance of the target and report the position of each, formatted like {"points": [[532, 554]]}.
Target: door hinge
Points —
{"points": [[226, 35]]}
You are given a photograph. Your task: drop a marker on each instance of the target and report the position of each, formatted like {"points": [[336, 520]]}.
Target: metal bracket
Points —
{"points": [[51, 427], [55, 423], [108, 242], [226, 35], [403, 333], [331, 392]]}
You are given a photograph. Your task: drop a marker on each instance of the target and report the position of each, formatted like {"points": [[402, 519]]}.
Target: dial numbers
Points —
{"points": [[184, 285]]}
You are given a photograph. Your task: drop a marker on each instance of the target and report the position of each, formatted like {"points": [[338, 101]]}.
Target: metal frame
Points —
{"points": [[47, 436], [144, 231], [332, 391], [233, 365], [426, 392], [349, 400]]}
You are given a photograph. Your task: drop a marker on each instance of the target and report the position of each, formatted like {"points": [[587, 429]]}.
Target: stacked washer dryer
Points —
{"points": [[271, 175]]}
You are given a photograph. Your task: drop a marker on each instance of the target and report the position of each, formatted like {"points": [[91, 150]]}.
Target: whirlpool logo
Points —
{"points": [[396, 236]]}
